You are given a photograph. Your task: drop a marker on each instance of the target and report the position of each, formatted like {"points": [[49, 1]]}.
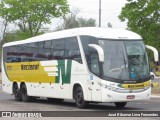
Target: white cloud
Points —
{"points": [[110, 10]]}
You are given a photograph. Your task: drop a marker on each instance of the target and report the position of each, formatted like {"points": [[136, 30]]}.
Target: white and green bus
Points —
{"points": [[84, 64]]}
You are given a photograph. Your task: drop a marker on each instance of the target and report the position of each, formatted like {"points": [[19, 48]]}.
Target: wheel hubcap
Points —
{"points": [[79, 98]]}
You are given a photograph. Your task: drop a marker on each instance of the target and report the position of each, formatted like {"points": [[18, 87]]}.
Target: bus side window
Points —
{"points": [[44, 51], [33, 51], [72, 49], [75, 55], [91, 54], [11, 54], [94, 63], [57, 49], [59, 54], [22, 52]]}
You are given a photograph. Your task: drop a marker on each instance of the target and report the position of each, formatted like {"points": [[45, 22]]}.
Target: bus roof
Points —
{"points": [[106, 33]]}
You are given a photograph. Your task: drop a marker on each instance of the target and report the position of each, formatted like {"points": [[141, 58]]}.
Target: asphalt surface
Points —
{"points": [[7, 103]]}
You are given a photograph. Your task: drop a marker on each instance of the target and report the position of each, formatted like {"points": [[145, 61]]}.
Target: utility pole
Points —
{"points": [[99, 13]]}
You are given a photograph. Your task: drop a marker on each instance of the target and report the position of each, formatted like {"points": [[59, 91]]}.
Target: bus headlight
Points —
{"points": [[108, 87]]}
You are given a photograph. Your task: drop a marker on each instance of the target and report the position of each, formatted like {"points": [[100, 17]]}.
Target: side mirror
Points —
{"points": [[154, 51], [99, 50]]}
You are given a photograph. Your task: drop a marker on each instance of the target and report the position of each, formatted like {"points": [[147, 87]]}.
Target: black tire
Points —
{"points": [[24, 95], [79, 98], [33, 99], [16, 92], [120, 104], [55, 100]]}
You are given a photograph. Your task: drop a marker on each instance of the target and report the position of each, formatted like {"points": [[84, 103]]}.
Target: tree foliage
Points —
{"points": [[31, 15], [4, 25], [72, 21], [144, 18]]}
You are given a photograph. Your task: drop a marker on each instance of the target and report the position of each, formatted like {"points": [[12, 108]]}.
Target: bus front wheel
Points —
{"points": [[79, 98], [120, 104]]}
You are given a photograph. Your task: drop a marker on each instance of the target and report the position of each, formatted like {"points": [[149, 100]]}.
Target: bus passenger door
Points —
{"points": [[94, 79]]}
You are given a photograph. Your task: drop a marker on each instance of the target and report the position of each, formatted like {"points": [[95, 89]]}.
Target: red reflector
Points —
{"points": [[130, 96]]}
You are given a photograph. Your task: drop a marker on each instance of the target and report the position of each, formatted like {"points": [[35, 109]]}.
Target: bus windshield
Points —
{"points": [[124, 60]]}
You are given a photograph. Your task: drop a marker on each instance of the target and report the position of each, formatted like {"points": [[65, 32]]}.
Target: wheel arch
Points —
{"points": [[75, 86]]}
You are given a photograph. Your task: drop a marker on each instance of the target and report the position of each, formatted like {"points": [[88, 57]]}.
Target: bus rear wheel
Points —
{"points": [[79, 98], [16, 92], [24, 95], [120, 104]]}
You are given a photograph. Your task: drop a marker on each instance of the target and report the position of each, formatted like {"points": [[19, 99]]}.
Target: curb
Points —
{"points": [[155, 96]]}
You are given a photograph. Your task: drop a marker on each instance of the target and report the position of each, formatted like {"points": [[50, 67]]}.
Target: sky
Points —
{"points": [[90, 9]]}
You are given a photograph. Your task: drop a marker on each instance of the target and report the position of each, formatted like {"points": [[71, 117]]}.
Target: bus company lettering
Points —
{"points": [[30, 67], [136, 86]]}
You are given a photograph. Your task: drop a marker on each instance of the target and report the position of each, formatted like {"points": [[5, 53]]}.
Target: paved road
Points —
{"points": [[7, 103]]}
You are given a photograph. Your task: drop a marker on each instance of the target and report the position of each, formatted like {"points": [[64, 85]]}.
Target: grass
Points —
{"points": [[0, 79], [157, 73], [156, 88]]}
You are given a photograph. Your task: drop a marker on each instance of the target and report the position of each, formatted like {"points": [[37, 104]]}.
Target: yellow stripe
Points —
{"points": [[15, 73], [137, 86]]}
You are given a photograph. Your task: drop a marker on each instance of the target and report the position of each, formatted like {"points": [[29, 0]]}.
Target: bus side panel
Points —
{"points": [[63, 88], [6, 83], [57, 82], [80, 76]]}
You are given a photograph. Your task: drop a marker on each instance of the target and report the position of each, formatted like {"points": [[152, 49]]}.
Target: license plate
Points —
{"points": [[130, 96]]}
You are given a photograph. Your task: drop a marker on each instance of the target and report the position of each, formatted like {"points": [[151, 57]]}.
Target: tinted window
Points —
{"points": [[33, 51], [44, 50], [58, 49], [11, 54], [66, 48], [22, 51], [91, 54], [72, 49]]}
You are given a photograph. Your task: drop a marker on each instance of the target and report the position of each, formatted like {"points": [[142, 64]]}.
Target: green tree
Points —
{"points": [[86, 22], [72, 21], [143, 17], [31, 15]]}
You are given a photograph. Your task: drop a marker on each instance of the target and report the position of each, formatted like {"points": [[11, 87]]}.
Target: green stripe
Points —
{"points": [[65, 75]]}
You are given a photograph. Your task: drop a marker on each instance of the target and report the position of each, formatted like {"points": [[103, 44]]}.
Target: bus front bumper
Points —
{"points": [[112, 96]]}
